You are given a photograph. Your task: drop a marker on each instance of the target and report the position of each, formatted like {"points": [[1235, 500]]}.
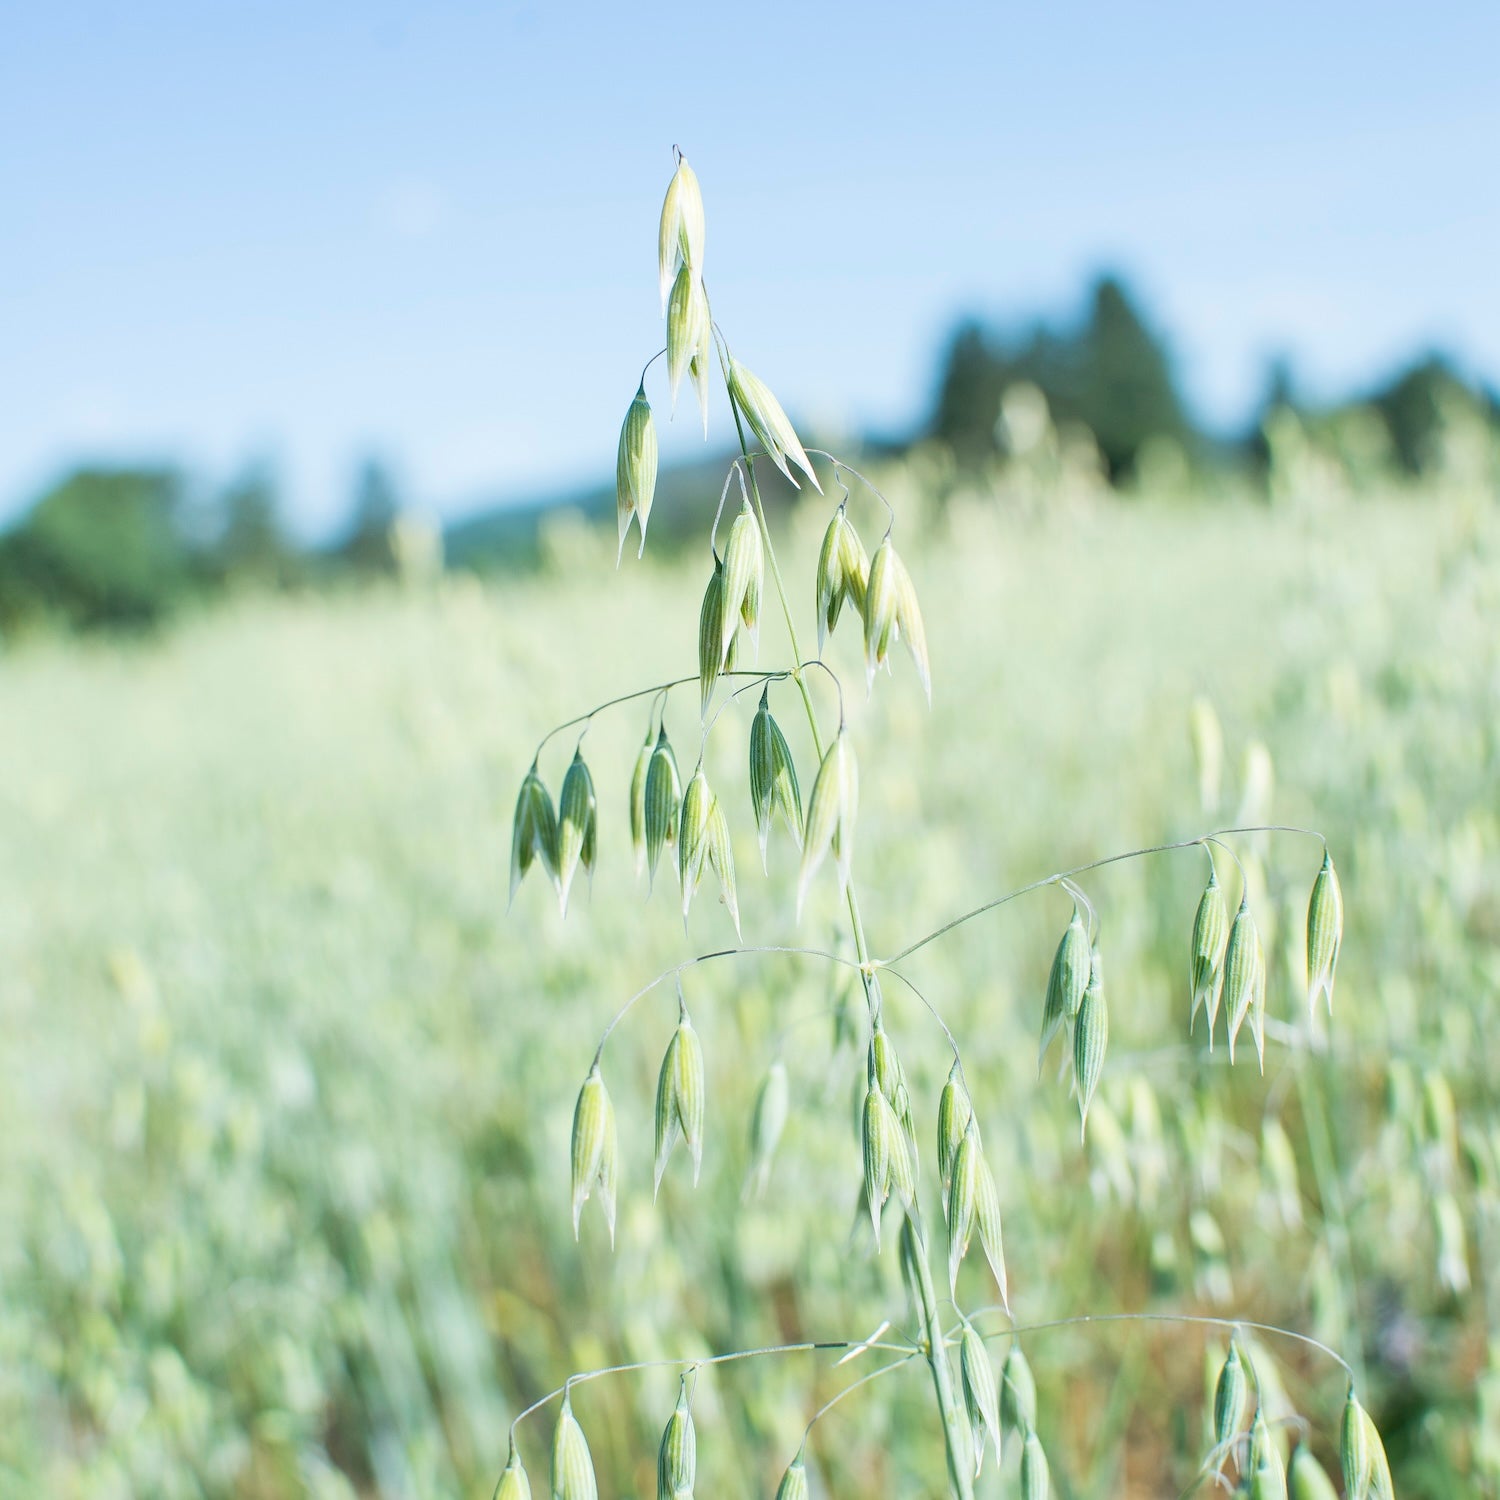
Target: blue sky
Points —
{"points": [[312, 231]]}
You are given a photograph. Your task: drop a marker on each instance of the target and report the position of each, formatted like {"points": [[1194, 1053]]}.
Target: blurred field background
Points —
{"points": [[1172, 337], [285, 1187]]}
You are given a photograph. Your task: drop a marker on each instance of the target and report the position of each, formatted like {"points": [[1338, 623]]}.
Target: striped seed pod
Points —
{"points": [[534, 832], [878, 1140], [687, 320], [1239, 970], [635, 470], [1036, 1479], [638, 803], [692, 835], [572, 1463], [773, 777], [962, 1203], [663, 802], [1306, 1479], [1267, 1473], [1017, 1391], [711, 652], [1210, 933], [1090, 1039], [1230, 1392], [881, 601], [679, 239], [769, 423], [595, 1150], [680, 1095], [981, 1396], [1066, 983], [514, 1483], [677, 1458], [793, 1484], [1325, 933], [577, 826], [955, 1110], [1355, 1457], [721, 861], [744, 572], [987, 1213]]}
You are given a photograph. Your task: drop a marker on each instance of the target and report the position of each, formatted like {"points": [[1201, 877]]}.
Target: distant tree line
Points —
{"points": [[1112, 373], [123, 547]]}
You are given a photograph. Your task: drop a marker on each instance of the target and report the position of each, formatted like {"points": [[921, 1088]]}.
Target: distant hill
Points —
{"points": [[686, 496]]}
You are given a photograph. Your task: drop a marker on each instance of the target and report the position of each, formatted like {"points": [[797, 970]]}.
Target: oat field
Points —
{"points": [[284, 1131]]}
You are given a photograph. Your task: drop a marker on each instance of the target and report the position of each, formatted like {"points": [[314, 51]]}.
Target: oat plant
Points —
{"points": [[680, 831]]}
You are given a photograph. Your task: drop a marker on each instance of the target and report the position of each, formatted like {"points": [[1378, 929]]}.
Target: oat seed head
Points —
{"points": [[572, 1463], [576, 826], [1090, 1039], [981, 1395], [663, 802], [635, 470], [595, 1150], [1239, 971], [1325, 934]]}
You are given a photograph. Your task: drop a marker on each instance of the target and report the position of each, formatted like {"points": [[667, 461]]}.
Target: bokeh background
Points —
{"points": [[1173, 337]]}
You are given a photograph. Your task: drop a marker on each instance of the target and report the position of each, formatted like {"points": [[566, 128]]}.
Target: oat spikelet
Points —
{"points": [[635, 470], [1066, 983], [680, 1095], [1210, 933], [578, 810], [1306, 1479], [677, 1458], [769, 423], [680, 237], [1090, 1040], [514, 1483], [1325, 934], [1017, 1392], [534, 834], [1036, 1478], [793, 1484], [1230, 1392], [1239, 971], [981, 1396], [663, 802], [638, 804], [572, 1463], [595, 1150], [954, 1113], [962, 1203]]}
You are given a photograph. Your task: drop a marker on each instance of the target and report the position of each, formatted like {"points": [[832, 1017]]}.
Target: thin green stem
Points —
{"points": [[810, 1347], [1059, 877], [704, 958], [848, 1390], [1203, 1320]]}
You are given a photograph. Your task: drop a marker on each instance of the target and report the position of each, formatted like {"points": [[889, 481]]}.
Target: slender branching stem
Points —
{"points": [[814, 1346], [1201, 1320], [1059, 877]]}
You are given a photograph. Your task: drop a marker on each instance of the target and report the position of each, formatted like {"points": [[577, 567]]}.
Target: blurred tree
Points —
{"points": [[1413, 407], [369, 545], [1111, 373], [969, 391], [1126, 393], [102, 547], [252, 548]]}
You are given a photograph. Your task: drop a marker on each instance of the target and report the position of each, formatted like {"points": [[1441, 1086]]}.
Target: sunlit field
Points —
{"points": [[284, 1179]]}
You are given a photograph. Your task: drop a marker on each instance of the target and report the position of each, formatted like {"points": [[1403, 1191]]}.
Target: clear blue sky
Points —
{"points": [[313, 230]]}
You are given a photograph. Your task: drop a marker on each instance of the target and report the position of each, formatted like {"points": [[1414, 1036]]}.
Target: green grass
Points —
{"points": [[283, 1142]]}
